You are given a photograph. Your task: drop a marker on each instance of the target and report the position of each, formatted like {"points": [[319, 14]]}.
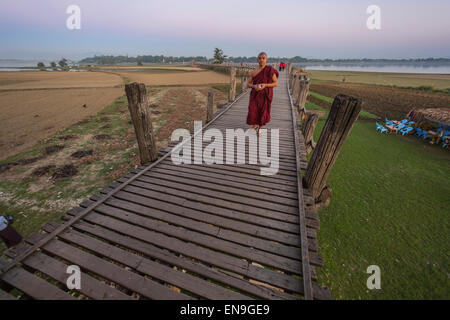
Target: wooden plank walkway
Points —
{"points": [[169, 231]]}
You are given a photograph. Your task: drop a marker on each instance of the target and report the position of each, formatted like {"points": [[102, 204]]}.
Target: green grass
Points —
{"points": [[389, 208]]}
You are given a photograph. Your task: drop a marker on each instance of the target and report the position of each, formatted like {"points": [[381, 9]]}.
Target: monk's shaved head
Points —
{"points": [[262, 54]]}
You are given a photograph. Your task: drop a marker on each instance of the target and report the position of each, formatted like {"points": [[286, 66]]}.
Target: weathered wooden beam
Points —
{"points": [[308, 131], [244, 85], [289, 67], [232, 92], [296, 86], [210, 106], [291, 81], [140, 115], [343, 114], [300, 100]]}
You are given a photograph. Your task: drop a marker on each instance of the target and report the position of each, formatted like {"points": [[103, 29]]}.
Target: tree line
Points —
{"points": [[139, 60]]}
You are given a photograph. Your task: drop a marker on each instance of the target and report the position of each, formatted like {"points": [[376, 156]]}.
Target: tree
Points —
{"points": [[139, 63], [219, 57], [53, 64], [41, 65], [63, 63]]}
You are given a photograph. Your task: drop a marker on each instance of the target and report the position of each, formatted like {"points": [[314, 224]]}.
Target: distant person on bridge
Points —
{"points": [[262, 81]]}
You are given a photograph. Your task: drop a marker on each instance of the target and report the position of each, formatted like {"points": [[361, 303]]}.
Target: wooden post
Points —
{"points": [[308, 131], [291, 81], [140, 115], [295, 87], [289, 67], [343, 114], [232, 93], [244, 85], [300, 100], [210, 106]]}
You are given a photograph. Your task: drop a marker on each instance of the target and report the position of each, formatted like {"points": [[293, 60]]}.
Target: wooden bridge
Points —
{"points": [[169, 231]]}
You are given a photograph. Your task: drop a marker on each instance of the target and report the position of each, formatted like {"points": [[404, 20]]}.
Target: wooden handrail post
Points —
{"points": [[300, 100], [295, 87], [140, 115], [244, 85], [210, 106], [232, 93], [308, 131], [343, 114]]}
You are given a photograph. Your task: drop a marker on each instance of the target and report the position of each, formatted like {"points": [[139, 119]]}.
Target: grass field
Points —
{"points": [[389, 208], [417, 80]]}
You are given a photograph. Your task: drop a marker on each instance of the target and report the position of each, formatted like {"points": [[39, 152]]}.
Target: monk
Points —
{"points": [[262, 81]]}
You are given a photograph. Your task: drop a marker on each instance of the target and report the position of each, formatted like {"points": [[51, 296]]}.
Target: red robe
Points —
{"points": [[261, 101]]}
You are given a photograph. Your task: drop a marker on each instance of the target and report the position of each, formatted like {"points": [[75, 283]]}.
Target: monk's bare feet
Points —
{"points": [[259, 132], [255, 127]]}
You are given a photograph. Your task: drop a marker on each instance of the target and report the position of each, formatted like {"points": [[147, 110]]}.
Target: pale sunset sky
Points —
{"points": [[36, 29]]}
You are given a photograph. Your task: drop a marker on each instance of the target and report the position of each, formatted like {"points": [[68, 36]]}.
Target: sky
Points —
{"points": [[37, 29]]}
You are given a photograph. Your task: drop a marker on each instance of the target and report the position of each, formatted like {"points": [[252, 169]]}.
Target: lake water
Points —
{"points": [[13, 64], [388, 68]]}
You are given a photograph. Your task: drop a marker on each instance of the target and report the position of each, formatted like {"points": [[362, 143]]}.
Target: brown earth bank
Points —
{"points": [[62, 170], [393, 103], [31, 115], [177, 78], [56, 79]]}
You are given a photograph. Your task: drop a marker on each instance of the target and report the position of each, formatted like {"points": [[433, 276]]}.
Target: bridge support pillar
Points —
{"points": [[140, 115], [232, 93], [343, 114], [210, 106]]}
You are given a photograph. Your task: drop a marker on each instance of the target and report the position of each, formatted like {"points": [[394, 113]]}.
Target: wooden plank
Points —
{"points": [[243, 227], [90, 286], [112, 272], [195, 184], [208, 256], [182, 262], [231, 174], [6, 296], [306, 267], [238, 182], [33, 286], [214, 243], [219, 199], [214, 231], [156, 270]]}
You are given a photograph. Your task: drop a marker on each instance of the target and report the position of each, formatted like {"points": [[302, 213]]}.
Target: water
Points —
{"points": [[444, 69], [15, 64]]}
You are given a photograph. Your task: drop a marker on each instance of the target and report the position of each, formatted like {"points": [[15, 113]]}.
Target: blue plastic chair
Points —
{"points": [[425, 135], [410, 123], [381, 128], [445, 141], [401, 126], [404, 121], [406, 130], [419, 132]]}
